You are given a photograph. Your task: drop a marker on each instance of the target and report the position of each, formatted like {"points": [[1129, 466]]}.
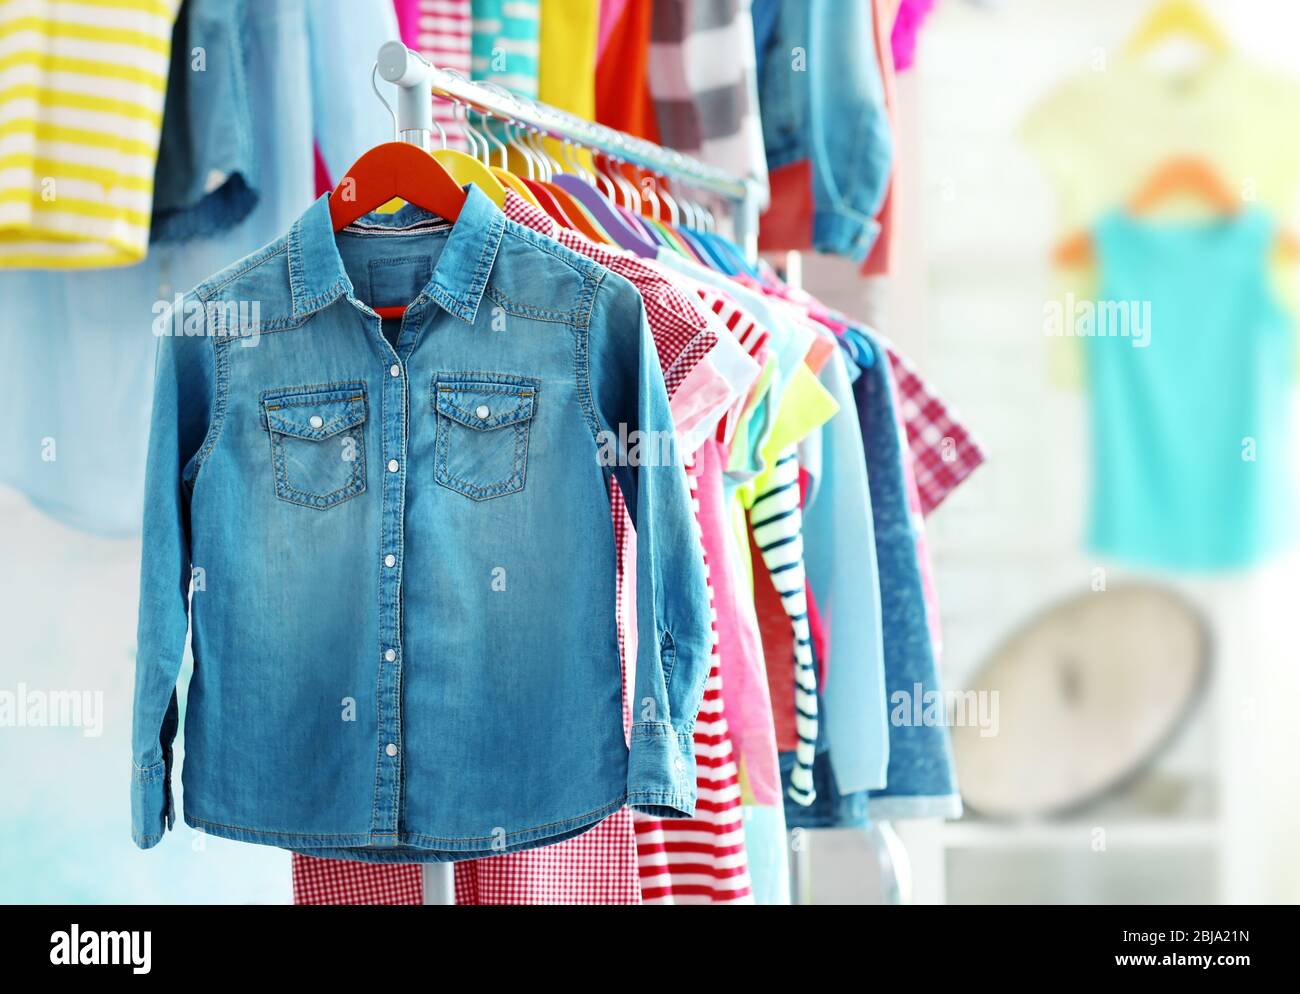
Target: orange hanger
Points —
{"points": [[395, 169], [1180, 175], [1185, 175]]}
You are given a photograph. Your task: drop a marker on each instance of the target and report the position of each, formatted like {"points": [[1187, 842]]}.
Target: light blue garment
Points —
{"points": [[76, 356], [403, 550], [921, 782], [205, 181], [767, 848], [840, 561], [1190, 365], [823, 101]]}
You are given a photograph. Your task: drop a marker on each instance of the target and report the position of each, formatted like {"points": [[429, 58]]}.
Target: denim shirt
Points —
{"points": [[397, 545], [823, 100]]}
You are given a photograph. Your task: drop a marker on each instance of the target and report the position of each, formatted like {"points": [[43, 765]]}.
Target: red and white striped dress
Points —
{"points": [[700, 860]]}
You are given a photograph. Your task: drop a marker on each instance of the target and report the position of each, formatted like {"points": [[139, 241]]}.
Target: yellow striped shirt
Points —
{"points": [[82, 84]]}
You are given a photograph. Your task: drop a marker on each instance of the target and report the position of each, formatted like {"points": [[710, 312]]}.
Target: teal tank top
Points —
{"points": [[1189, 362]]}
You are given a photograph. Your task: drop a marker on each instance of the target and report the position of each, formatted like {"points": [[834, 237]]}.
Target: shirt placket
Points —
{"points": [[394, 427]]}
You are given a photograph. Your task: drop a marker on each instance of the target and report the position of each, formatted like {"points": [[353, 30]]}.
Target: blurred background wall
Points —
{"points": [[1216, 819]]}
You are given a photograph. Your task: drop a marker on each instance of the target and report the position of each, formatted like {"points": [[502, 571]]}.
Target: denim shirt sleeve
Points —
{"points": [[829, 111], [852, 145], [674, 631], [206, 182], [184, 391]]}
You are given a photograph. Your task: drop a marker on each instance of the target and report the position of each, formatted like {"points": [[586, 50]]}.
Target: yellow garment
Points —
{"points": [[805, 406], [81, 102], [746, 791], [1101, 134], [567, 64]]}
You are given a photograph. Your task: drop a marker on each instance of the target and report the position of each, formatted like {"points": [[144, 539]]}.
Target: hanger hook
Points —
{"points": [[472, 137], [374, 85], [488, 133]]}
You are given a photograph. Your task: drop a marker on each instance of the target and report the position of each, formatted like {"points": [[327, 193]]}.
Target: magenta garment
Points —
{"points": [[911, 15], [746, 700]]}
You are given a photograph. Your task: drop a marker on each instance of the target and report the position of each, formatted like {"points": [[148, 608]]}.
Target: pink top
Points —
{"points": [[907, 25]]}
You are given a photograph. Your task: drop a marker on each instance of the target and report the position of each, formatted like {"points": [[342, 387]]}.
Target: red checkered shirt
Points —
{"points": [[338, 881], [943, 450], [681, 333]]}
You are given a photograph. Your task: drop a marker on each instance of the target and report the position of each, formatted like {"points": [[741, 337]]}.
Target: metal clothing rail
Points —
{"points": [[415, 79]]}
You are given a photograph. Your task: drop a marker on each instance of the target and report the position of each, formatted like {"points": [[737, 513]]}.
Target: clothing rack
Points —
{"points": [[415, 78]]}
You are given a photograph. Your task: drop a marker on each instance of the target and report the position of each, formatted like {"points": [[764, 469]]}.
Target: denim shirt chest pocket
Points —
{"points": [[483, 422], [317, 435]]}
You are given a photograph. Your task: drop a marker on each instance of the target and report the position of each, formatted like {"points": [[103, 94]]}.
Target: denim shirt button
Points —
{"points": [[392, 465], [390, 560], [482, 411], [391, 749], [390, 655], [316, 421], [394, 370]]}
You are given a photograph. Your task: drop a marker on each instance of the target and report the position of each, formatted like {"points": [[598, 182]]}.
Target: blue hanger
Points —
{"points": [[705, 251], [728, 249]]}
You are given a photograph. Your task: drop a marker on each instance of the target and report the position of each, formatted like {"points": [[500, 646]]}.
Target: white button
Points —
{"points": [[394, 370], [391, 749], [482, 410], [316, 421], [390, 560], [392, 465], [390, 655]]}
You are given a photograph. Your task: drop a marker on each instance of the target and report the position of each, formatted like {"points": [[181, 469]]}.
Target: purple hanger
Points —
{"points": [[604, 213]]}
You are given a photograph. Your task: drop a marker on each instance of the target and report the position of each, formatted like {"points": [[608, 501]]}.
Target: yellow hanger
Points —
{"points": [[1177, 17], [463, 167], [466, 168], [513, 182]]}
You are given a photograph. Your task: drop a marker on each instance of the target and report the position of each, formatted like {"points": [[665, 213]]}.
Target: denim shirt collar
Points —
{"points": [[317, 276]]}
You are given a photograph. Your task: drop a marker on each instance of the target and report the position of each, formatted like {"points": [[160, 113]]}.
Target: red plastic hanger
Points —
{"points": [[547, 202], [395, 169]]}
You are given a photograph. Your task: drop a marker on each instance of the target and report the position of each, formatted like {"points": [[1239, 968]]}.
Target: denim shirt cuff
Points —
{"points": [[846, 233], [151, 804], [661, 770]]}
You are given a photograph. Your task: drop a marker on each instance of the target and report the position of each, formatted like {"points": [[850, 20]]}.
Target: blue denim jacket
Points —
{"points": [[397, 543], [822, 99]]}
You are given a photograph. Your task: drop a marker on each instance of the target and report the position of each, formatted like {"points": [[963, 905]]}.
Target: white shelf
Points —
{"points": [[1130, 833]]}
